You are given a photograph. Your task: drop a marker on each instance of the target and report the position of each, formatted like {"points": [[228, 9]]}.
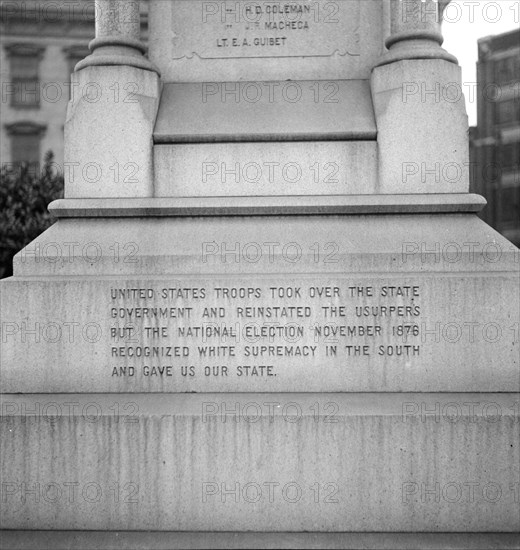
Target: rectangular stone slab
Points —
{"points": [[173, 540], [304, 332], [259, 111], [200, 41], [265, 168], [290, 462], [354, 303], [141, 244]]}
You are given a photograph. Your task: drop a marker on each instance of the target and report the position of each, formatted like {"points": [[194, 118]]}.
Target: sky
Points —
{"points": [[465, 22]]}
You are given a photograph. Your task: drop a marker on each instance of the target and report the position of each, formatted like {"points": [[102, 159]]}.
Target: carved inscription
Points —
{"points": [[263, 28], [260, 331]]}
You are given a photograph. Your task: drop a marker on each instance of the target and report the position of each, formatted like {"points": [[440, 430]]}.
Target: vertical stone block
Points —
{"points": [[108, 133], [422, 127]]}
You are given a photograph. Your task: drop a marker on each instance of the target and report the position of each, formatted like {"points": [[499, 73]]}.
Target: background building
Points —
{"points": [[495, 142], [40, 43]]}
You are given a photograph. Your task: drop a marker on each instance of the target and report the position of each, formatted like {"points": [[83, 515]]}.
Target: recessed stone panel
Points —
{"points": [[218, 41], [265, 168], [265, 111]]}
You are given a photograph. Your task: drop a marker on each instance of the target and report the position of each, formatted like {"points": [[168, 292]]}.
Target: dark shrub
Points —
{"points": [[24, 196]]}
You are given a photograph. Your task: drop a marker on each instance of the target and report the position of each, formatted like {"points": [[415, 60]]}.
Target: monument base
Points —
{"points": [[354, 429], [167, 540], [323, 301], [261, 462]]}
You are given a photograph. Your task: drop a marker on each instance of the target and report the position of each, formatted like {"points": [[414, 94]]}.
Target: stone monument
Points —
{"points": [[267, 312]]}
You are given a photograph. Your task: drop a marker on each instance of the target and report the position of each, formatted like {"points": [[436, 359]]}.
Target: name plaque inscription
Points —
{"points": [[263, 28]]}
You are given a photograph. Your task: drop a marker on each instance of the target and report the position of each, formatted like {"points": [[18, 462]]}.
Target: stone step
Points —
{"points": [[170, 540], [285, 110], [400, 463]]}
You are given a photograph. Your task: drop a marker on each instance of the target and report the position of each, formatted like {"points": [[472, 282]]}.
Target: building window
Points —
{"points": [[507, 69], [24, 60], [510, 155], [25, 143], [508, 112], [510, 213]]}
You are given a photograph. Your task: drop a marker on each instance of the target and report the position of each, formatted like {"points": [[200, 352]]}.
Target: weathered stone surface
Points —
{"points": [[461, 203], [324, 366], [422, 127], [259, 111], [198, 41], [302, 462], [118, 163], [415, 31], [270, 168], [173, 540], [118, 18], [439, 340], [390, 313], [155, 245]]}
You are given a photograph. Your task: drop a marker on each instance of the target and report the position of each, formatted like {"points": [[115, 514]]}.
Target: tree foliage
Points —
{"points": [[24, 197]]}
